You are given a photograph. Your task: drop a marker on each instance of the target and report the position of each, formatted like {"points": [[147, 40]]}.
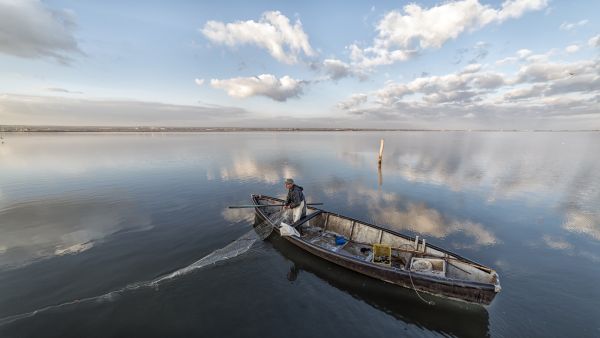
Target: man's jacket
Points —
{"points": [[294, 196]]}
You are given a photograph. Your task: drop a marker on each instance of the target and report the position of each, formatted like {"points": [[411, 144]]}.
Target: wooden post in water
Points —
{"points": [[380, 153], [379, 163]]}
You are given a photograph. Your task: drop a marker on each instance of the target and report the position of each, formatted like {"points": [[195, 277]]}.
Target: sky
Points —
{"points": [[466, 64]]}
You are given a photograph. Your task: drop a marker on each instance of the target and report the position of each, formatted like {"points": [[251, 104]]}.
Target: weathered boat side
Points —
{"points": [[470, 291]]}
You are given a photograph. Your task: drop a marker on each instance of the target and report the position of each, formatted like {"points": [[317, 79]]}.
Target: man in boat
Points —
{"points": [[295, 200]]}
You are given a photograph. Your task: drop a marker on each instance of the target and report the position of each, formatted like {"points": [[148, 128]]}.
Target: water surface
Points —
{"points": [[90, 222]]}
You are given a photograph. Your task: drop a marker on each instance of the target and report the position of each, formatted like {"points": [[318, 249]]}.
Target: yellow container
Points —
{"points": [[382, 254]]}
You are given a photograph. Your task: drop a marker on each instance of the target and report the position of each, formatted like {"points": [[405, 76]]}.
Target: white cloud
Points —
{"points": [[353, 102], [523, 53], [399, 36], [30, 30], [199, 82], [566, 26], [489, 80], [376, 56], [53, 110], [272, 32], [266, 85], [507, 60], [391, 93], [460, 87], [524, 93], [336, 69], [515, 8], [543, 71], [62, 90], [572, 49], [540, 88], [472, 68], [594, 41]]}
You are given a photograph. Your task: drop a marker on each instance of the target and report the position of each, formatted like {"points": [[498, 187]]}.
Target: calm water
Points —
{"points": [[90, 222]]}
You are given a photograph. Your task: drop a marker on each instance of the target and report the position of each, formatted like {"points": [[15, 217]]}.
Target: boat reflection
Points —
{"points": [[446, 316]]}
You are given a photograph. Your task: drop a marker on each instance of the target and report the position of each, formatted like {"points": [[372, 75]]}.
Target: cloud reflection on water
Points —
{"points": [[58, 226], [556, 243], [557, 169], [562, 245], [555, 172], [394, 211], [424, 220], [583, 223], [238, 215], [244, 167]]}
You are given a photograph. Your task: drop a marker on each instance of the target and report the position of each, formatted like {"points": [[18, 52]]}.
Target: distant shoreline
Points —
{"points": [[146, 129]]}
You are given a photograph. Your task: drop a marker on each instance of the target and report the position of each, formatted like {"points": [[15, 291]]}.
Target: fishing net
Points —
{"points": [[233, 249], [241, 245], [264, 228]]}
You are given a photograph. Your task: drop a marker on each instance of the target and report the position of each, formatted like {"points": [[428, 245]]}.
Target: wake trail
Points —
{"points": [[233, 249]]}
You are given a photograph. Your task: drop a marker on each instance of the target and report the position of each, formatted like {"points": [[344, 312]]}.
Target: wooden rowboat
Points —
{"points": [[386, 255]]}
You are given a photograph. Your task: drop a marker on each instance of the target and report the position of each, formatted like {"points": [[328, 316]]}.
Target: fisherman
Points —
{"points": [[295, 200]]}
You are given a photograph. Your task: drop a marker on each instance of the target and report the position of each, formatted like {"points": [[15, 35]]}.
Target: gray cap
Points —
{"points": [[289, 181]]}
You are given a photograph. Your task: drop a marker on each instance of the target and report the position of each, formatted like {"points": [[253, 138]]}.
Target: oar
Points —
{"points": [[264, 205]]}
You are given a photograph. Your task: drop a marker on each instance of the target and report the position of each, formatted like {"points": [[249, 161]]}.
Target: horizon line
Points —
{"points": [[83, 128]]}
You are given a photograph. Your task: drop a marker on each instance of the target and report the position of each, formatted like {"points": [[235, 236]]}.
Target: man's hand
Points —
{"points": [[286, 206]]}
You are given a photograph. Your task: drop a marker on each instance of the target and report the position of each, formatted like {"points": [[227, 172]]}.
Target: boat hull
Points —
{"points": [[473, 292]]}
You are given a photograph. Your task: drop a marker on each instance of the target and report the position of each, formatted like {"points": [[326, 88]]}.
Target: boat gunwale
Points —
{"points": [[434, 279]]}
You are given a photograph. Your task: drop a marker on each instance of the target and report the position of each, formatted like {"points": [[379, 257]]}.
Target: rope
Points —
{"points": [[428, 302]]}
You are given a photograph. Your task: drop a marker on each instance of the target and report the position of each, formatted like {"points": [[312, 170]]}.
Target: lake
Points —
{"points": [[114, 234]]}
